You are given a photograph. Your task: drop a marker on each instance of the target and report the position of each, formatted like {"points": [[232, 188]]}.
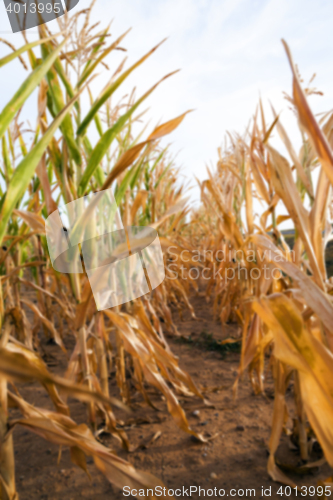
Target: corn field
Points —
{"points": [[279, 295]]}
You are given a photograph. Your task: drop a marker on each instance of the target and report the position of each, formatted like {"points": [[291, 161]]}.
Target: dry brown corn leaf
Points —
{"points": [[49, 325], [295, 346], [136, 348], [63, 431], [313, 295], [168, 127], [16, 363], [309, 122], [35, 221], [286, 189]]}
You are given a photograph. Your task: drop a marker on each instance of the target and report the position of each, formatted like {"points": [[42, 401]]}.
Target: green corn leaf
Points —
{"points": [[87, 72], [6, 160], [97, 119], [26, 169], [63, 77], [58, 104], [87, 146], [105, 141], [96, 48], [26, 89], [120, 193], [11, 145], [67, 84], [7, 59], [99, 176], [158, 159], [23, 146], [109, 91], [136, 175]]}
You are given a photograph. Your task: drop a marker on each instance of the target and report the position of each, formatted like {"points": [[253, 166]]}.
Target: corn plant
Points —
{"points": [[58, 164], [280, 295]]}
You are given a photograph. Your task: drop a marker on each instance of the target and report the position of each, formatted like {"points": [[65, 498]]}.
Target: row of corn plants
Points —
{"points": [[71, 152], [279, 293]]}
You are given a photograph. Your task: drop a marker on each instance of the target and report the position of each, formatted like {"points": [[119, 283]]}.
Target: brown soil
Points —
{"points": [[235, 458]]}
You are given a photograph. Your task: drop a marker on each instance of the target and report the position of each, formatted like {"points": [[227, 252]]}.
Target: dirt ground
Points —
{"points": [[235, 459]]}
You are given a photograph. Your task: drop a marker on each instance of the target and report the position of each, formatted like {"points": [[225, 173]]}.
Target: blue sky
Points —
{"points": [[228, 51]]}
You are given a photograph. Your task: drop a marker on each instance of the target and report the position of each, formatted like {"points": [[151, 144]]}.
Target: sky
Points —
{"points": [[229, 53]]}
